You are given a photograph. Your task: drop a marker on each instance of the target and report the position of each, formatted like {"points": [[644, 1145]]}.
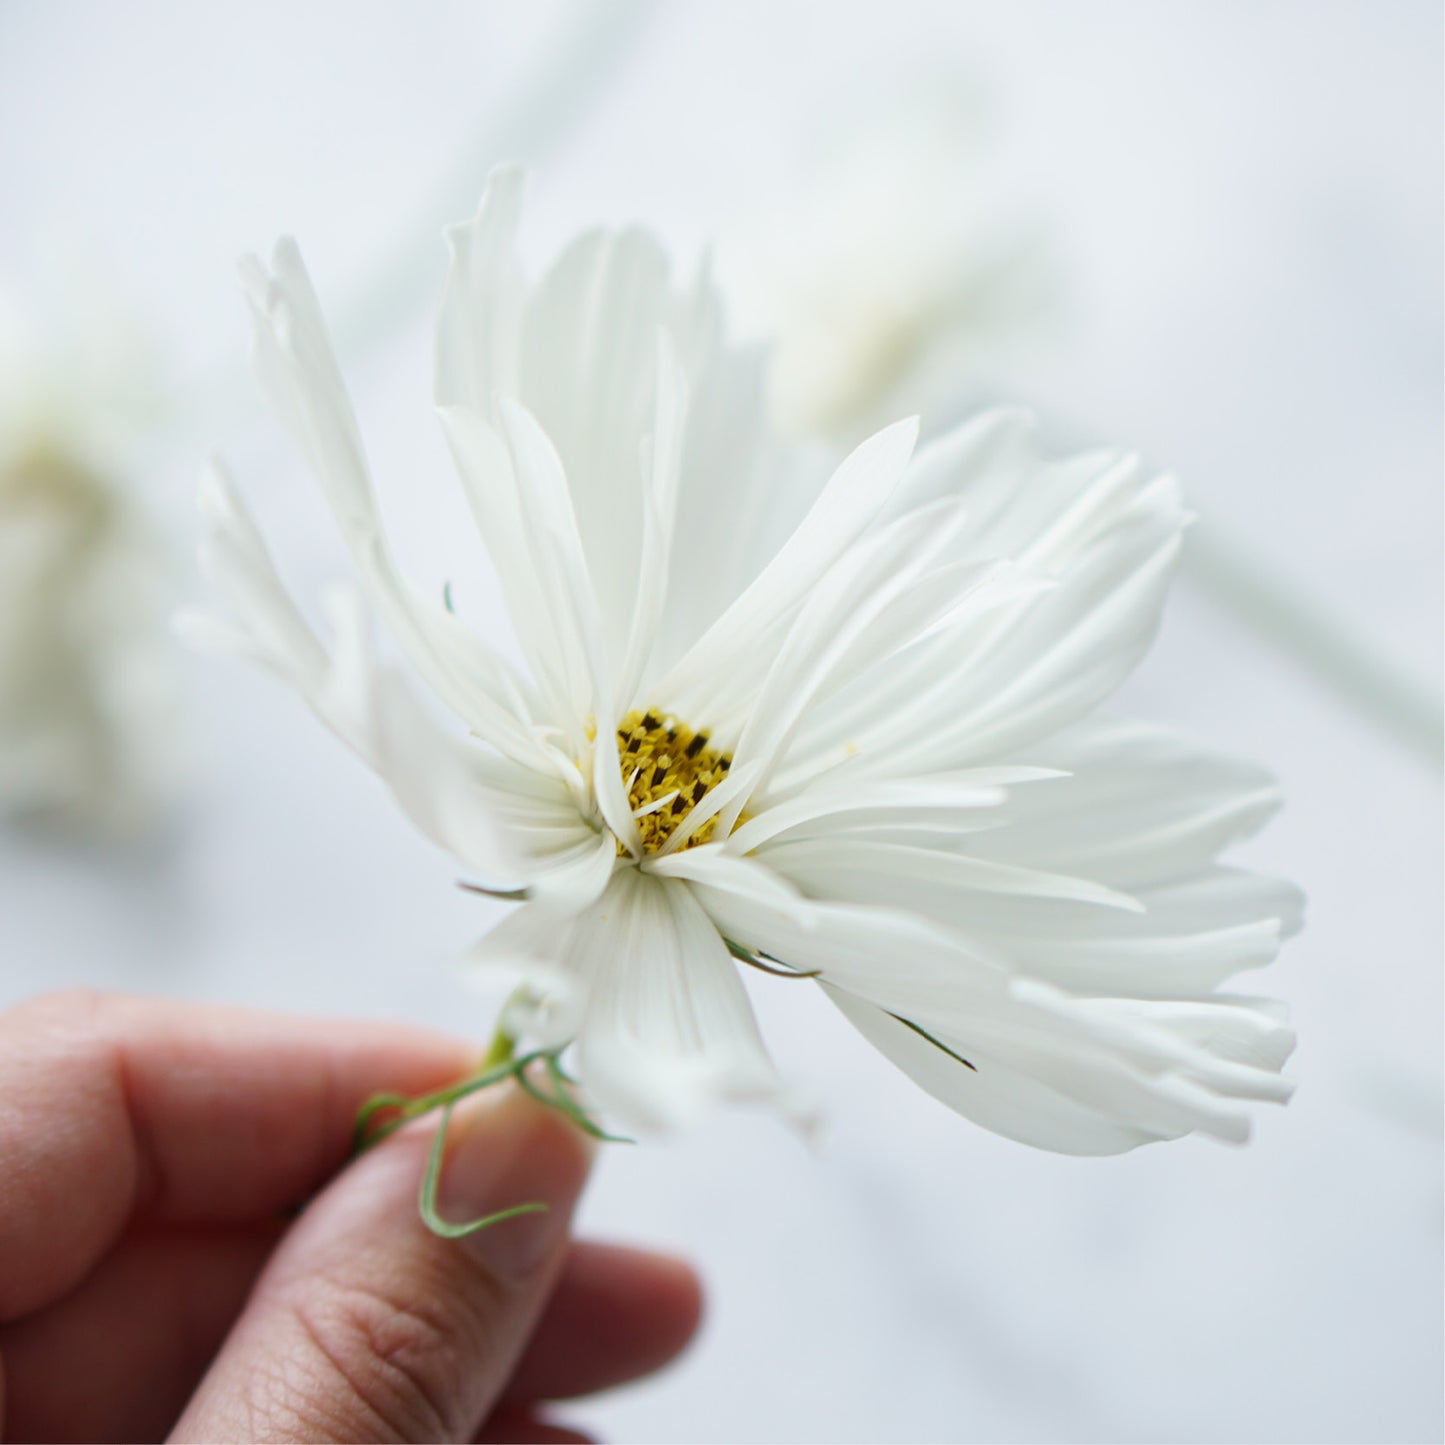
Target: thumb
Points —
{"points": [[366, 1326]]}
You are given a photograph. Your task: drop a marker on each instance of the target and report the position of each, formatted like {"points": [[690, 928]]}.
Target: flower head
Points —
{"points": [[844, 731], [891, 274], [87, 687]]}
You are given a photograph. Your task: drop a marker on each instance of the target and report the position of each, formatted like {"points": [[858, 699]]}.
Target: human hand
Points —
{"points": [[150, 1282]]}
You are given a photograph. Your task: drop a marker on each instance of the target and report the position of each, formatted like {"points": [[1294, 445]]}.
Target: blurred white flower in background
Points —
{"points": [[89, 721], [898, 274], [866, 753]]}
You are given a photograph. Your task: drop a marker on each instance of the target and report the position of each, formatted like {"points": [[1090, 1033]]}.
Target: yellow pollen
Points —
{"points": [[667, 770]]}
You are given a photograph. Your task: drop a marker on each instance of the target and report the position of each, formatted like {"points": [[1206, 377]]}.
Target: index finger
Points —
{"points": [[113, 1107]]}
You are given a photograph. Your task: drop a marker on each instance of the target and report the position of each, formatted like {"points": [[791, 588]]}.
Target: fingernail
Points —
{"points": [[505, 1151]]}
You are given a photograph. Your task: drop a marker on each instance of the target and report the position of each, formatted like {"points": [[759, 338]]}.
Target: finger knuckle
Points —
{"points": [[397, 1359]]}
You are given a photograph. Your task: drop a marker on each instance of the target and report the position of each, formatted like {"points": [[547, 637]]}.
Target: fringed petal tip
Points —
{"points": [[500, 205]]}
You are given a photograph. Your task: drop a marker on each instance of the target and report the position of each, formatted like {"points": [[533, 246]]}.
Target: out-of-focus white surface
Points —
{"points": [[1248, 201]]}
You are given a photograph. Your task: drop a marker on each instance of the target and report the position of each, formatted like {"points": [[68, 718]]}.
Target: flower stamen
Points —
{"points": [[669, 769]]}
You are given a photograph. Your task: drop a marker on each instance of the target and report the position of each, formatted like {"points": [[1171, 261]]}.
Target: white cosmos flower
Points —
{"points": [[870, 753], [889, 274], [88, 691]]}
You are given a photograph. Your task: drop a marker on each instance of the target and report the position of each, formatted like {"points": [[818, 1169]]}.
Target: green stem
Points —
{"points": [[363, 1137], [1321, 638], [500, 1061], [501, 1050], [427, 1196]]}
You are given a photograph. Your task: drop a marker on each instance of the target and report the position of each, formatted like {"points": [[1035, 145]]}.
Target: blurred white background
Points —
{"points": [[1242, 202]]}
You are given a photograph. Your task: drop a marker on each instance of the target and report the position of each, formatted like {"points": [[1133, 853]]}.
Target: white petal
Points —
{"points": [[716, 867], [534, 942], [742, 490], [524, 508], [1000, 1098], [1159, 1075], [551, 528], [478, 327], [432, 774], [1140, 805], [587, 369], [986, 461], [298, 372], [1174, 1037], [1253, 1033], [1103, 532], [1188, 939], [1144, 1075], [959, 801], [896, 960], [1022, 503], [611, 792], [575, 877], [727, 655], [478, 335], [996, 1094], [669, 1031], [1036, 667], [489, 482], [659, 514], [234, 559], [935, 883], [450, 788], [895, 963], [879, 597]]}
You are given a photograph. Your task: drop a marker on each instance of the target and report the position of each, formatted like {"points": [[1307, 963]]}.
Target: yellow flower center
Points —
{"points": [[667, 769]]}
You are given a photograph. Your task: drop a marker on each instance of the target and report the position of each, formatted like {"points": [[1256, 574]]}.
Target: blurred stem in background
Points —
{"points": [[1305, 627], [1321, 641]]}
